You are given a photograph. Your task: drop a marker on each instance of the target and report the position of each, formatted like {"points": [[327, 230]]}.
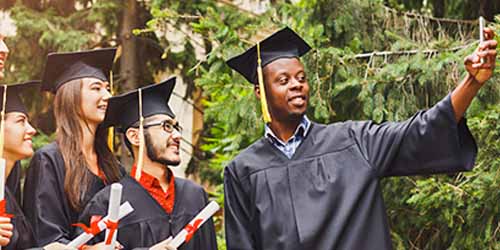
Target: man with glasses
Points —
{"points": [[163, 204]]}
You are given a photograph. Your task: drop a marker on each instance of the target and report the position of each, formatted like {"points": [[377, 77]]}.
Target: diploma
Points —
{"points": [[99, 226], [187, 233], [2, 179], [113, 212], [481, 33], [2, 188]]}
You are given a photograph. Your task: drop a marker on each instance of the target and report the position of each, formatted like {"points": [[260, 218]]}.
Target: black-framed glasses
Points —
{"points": [[167, 125]]}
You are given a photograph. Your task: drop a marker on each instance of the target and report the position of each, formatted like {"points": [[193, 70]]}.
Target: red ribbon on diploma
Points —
{"points": [[3, 210], [191, 229], [112, 226], [94, 228]]}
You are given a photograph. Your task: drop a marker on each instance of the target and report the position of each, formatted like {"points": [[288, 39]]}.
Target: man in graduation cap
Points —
{"points": [[163, 204], [306, 185]]}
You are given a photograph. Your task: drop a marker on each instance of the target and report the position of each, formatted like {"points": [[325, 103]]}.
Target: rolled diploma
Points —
{"points": [[204, 215], [113, 211], [2, 181], [83, 238], [481, 33]]}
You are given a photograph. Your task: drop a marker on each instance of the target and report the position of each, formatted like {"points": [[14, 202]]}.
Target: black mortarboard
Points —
{"points": [[63, 67], [123, 110], [283, 44], [14, 91]]}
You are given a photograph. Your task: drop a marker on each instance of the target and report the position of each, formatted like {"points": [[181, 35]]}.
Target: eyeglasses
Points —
{"points": [[167, 125]]}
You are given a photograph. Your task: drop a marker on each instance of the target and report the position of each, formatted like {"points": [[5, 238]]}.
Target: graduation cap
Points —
{"points": [[285, 43], [122, 111], [11, 102], [63, 67]]}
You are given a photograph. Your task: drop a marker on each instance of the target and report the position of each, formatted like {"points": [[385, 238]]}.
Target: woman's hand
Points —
{"points": [[5, 231]]}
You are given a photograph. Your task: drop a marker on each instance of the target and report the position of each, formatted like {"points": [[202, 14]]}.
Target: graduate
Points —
{"points": [[16, 232], [64, 175], [306, 185], [163, 204], [8, 29]]}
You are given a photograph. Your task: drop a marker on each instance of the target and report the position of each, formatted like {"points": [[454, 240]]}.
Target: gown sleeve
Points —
{"points": [[45, 203], [430, 142], [236, 212]]}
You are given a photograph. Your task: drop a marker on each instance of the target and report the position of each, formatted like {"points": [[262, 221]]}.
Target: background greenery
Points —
{"points": [[372, 59]]}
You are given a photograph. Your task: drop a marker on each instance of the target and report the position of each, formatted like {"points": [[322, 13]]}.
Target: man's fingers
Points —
{"points": [[481, 66], [471, 59], [488, 33], [487, 53], [490, 44]]}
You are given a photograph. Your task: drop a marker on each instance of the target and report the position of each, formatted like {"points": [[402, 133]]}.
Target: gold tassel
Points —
{"points": [[2, 121], [140, 158], [111, 131], [263, 101]]}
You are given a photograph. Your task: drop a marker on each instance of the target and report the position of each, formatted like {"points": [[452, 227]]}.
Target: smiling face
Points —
{"points": [[94, 100], [287, 88], [162, 146], [4, 51], [18, 136]]}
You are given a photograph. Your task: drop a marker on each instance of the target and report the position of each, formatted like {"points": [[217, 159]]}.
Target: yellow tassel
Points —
{"points": [[140, 158], [2, 121], [111, 131], [263, 101]]}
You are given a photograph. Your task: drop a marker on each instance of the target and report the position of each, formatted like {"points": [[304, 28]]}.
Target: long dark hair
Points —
{"points": [[69, 136]]}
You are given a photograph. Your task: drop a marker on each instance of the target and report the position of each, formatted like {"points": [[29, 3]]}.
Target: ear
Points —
{"points": [[256, 90], [133, 136]]}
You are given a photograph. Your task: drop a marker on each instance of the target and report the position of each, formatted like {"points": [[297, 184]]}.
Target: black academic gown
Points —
{"points": [[328, 195], [149, 223], [14, 181], [22, 237], [45, 203]]}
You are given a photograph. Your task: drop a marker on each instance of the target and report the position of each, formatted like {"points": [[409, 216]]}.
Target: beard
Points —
{"points": [[152, 152]]}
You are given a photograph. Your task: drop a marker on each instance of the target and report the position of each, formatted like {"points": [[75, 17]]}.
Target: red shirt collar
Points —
{"points": [[152, 185]]}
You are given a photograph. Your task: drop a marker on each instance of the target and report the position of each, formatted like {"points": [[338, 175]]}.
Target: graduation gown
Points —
{"points": [[14, 181], [22, 237], [149, 224], [45, 203], [328, 195]]}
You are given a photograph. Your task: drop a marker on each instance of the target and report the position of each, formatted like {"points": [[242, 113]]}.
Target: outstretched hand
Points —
{"points": [[482, 71]]}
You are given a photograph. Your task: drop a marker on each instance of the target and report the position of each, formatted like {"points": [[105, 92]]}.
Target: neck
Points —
{"points": [[284, 128], [88, 149], [9, 165]]}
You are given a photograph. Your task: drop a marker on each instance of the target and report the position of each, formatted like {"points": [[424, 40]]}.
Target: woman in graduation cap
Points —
{"points": [[65, 174], [8, 29], [15, 230]]}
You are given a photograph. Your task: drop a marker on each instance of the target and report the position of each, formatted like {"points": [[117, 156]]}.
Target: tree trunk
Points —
{"points": [[128, 60], [486, 9], [439, 8]]}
